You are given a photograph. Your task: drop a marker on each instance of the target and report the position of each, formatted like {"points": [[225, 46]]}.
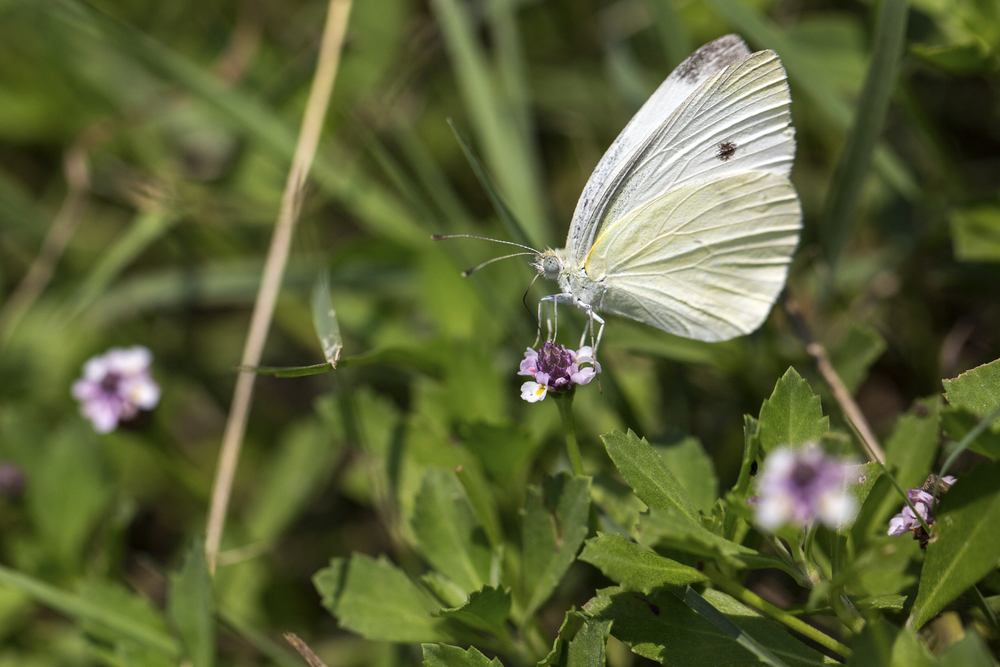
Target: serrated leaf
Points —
{"points": [[661, 627], [443, 655], [448, 534], [967, 547], [486, 609], [793, 415], [190, 607], [589, 647], [559, 655], [635, 567], [617, 501], [376, 600], [555, 525], [645, 472], [976, 390], [693, 468]]}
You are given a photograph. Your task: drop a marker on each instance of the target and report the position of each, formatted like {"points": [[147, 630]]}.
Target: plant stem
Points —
{"points": [[750, 598], [565, 404]]}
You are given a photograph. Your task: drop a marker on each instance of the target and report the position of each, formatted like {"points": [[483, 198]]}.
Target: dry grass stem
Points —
{"points": [[274, 268], [307, 653], [843, 397], [64, 225]]}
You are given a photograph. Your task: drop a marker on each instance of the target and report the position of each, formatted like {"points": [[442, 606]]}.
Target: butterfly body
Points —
{"points": [[688, 222]]}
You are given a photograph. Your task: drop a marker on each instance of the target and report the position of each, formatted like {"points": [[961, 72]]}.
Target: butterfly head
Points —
{"points": [[548, 264]]}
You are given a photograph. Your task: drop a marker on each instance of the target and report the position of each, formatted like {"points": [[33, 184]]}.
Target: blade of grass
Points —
{"points": [[510, 222], [505, 151], [869, 119], [305, 150], [79, 608], [761, 32]]}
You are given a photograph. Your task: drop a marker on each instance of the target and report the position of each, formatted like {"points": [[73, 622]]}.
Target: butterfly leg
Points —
{"points": [[552, 314], [592, 317]]}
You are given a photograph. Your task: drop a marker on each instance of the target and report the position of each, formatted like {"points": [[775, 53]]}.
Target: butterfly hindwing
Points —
{"points": [[706, 260]]}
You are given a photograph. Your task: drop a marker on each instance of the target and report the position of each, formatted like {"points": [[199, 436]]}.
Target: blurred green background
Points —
{"points": [[171, 126]]}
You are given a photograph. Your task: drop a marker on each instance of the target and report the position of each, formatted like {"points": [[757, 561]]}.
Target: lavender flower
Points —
{"points": [[906, 521], [556, 368], [799, 486], [115, 386]]}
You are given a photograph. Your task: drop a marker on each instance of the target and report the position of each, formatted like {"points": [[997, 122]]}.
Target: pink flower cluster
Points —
{"points": [[115, 386], [556, 368], [800, 486], [906, 521]]}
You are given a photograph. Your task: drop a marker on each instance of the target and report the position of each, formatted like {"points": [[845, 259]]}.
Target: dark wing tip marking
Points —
{"points": [[727, 149], [690, 69]]}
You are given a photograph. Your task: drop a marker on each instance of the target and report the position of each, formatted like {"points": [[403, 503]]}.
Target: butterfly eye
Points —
{"points": [[550, 265]]}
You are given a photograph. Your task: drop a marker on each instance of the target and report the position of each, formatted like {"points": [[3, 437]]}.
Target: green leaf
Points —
{"points": [[967, 547], [661, 627], [376, 600], [503, 449], [487, 609], [325, 321], [963, 59], [692, 467], [873, 647], [793, 415], [975, 232], [645, 472], [589, 647], [190, 607], [617, 500], [302, 460], [858, 484], [956, 424], [555, 525], [559, 655], [910, 452], [976, 390], [448, 534], [127, 625], [970, 651], [635, 567], [443, 655], [854, 356]]}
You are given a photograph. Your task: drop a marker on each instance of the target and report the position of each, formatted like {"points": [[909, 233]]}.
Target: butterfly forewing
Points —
{"points": [[736, 121], [684, 80], [706, 260]]}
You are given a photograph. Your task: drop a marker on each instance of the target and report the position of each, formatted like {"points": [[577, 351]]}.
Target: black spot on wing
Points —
{"points": [[727, 149]]}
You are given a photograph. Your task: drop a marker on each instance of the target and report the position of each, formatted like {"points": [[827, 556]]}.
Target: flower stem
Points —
{"points": [[565, 404], [748, 597]]}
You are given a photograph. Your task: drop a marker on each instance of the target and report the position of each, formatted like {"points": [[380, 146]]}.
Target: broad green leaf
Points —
{"points": [[503, 449], [661, 627], [635, 567], [692, 467], [555, 525], [487, 609], [792, 416], [190, 606], [304, 457], [443, 655], [325, 321], [975, 232], [854, 356], [970, 651], [909, 650], [976, 390], [967, 547], [589, 647], [644, 470], [378, 601], [444, 588], [873, 647], [448, 534], [69, 493], [75, 606], [910, 452]]}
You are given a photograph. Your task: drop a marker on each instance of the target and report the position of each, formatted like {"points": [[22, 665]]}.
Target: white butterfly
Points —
{"points": [[689, 221]]}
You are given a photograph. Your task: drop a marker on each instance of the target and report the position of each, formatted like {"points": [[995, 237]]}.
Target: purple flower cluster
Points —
{"points": [[906, 521], [799, 486], [115, 386], [556, 368]]}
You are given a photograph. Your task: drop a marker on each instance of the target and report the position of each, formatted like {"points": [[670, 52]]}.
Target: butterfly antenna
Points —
{"points": [[441, 237], [469, 272]]}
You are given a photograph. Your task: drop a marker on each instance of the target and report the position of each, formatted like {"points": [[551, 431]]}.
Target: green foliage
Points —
{"points": [[486, 609], [635, 567], [190, 607], [646, 473], [693, 468], [792, 416], [975, 230], [967, 547], [442, 655]]}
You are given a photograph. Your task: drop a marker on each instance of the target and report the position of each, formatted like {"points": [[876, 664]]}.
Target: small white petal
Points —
{"points": [[774, 511], [533, 392], [836, 508]]}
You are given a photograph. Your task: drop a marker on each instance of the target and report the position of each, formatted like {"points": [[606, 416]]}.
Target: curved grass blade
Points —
{"points": [[325, 321], [399, 356], [869, 119]]}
